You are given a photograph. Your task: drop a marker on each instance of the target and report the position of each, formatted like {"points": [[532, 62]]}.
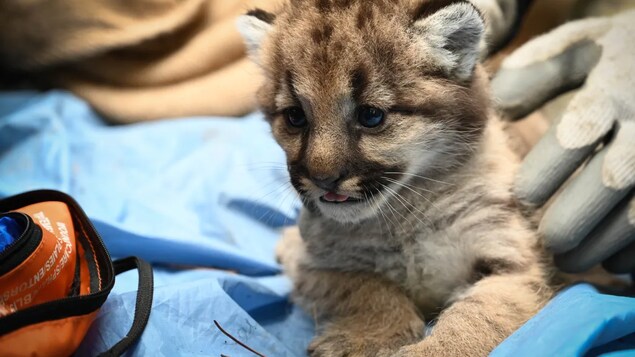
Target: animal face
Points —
{"points": [[365, 96]]}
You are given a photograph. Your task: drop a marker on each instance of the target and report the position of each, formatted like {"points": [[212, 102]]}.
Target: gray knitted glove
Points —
{"points": [[593, 218]]}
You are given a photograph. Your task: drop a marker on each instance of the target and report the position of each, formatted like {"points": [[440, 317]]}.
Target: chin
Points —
{"points": [[347, 212]]}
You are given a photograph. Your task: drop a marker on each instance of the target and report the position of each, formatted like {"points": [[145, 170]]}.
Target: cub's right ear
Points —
{"points": [[254, 27]]}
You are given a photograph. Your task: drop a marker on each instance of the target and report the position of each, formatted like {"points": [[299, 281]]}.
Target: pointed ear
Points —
{"points": [[451, 34], [254, 27]]}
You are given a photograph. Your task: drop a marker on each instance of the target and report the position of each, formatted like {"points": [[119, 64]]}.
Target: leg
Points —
{"points": [[484, 316], [357, 314]]}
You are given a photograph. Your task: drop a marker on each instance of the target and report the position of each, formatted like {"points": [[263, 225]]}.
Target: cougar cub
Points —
{"points": [[405, 176]]}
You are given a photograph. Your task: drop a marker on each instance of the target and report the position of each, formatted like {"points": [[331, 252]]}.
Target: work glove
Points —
{"points": [[502, 21], [591, 219]]}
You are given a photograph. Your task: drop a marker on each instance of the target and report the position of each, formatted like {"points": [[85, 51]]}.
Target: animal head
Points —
{"points": [[364, 96]]}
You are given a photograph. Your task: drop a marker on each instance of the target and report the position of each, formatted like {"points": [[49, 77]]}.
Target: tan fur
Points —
{"points": [[134, 60], [436, 228], [489, 312], [359, 314]]}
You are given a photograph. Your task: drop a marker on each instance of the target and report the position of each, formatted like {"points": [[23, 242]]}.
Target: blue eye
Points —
{"points": [[370, 117], [295, 117]]}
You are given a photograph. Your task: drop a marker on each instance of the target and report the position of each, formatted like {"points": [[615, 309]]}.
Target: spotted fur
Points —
{"points": [[435, 228]]}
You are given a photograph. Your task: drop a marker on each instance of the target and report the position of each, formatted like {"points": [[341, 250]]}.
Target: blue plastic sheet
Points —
{"points": [[213, 192], [578, 322]]}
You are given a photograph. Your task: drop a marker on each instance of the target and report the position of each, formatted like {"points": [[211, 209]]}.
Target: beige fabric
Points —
{"points": [[136, 60]]}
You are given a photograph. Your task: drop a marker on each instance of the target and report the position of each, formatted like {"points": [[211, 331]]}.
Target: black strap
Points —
{"points": [[143, 304]]}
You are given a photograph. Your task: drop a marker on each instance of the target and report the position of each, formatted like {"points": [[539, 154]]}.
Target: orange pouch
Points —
{"points": [[55, 275]]}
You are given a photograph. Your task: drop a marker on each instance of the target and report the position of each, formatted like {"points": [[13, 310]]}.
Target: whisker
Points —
{"points": [[419, 176], [373, 199], [400, 198], [408, 186], [393, 210], [290, 194], [280, 186], [267, 168], [284, 187]]}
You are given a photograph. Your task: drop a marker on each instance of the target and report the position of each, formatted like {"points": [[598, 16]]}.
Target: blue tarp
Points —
{"points": [[213, 193]]}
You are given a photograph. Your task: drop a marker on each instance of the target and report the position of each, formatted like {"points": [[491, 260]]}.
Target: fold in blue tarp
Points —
{"points": [[213, 192]]}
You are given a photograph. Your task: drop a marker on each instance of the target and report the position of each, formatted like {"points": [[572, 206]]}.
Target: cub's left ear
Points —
{"points": [[254, 26], [451, 35]]}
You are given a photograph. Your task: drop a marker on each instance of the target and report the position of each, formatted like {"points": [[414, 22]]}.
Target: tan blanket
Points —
{"points": [[135, 60]]}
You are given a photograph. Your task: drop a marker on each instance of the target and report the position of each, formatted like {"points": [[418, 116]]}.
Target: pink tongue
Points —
{"points": [[334, 197]]}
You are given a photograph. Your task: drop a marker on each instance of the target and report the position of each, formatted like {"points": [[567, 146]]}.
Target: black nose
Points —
{"points": [[326, 182]]}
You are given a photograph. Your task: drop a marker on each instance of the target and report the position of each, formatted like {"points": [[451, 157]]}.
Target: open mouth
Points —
{"points": [[332, 197]]}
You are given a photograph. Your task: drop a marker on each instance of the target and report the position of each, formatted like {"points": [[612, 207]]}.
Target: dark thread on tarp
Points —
{"points": [[237, 340]]}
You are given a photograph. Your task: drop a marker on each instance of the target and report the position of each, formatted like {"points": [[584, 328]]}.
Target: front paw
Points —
{"points": [[425, 348], [409, 351], [345, 345], [290, 250]]}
